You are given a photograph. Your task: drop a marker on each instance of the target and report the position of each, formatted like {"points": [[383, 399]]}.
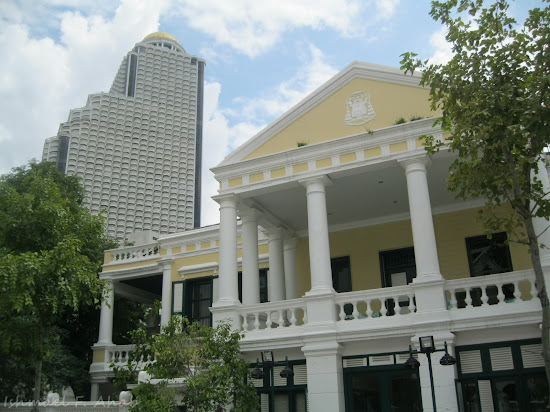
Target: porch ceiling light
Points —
{"points": [[427, 344], [287, 372], [257, 373], [447, 359], [267, 358], [411, 363]]}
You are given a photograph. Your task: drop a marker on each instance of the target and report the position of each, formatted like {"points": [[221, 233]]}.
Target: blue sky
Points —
{"points": [[262, 57]]}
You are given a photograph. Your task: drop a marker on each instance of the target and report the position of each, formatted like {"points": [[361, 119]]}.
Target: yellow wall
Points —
{"points": [[363, 246], [99, 356], [326, 121]]}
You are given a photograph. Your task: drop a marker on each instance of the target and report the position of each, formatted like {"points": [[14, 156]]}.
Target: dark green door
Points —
{"points": [[383, 391]]}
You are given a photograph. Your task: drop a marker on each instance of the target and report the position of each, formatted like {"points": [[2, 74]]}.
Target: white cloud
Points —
{"points": [[442, 48], [222, 135], [41, 79], [252, 27]]}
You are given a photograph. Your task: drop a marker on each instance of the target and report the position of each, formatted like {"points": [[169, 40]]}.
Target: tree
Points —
{"points": [[494, 96], [51, 250], [207, 358]]}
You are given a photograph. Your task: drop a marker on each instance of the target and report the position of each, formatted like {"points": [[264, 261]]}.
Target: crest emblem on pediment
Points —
{"points": [[359, 109]]}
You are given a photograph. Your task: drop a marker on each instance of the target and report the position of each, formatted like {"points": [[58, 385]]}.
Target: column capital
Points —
{"points": [[248, 214], [415, 163], [165, 263], [229, 198], [275, 233], [322, 181], [289, 242]]}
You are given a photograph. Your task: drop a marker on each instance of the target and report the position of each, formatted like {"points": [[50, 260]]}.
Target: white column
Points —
{"points": [[540, 224], [166, 265], [251, 273], [94, 393], [319, 249], [228, 279], [106, 315], [276, 276], [443, 376], [325, 380], [289, 251], [425, 249]]}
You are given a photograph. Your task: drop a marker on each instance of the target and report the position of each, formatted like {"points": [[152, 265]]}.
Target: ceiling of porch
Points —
{"points": [[371, 194]]}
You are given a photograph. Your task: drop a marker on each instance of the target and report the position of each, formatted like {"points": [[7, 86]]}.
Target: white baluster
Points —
{"points": [[281, 319], [268, 322], [369, 308], [292, 317], [396, 307], [383, 308], [245, 321], [412, 306], [355, 312], [468, 298], [517, 292], [501, 296], [304, 319], [484, 297], [256, 321], [453, 302], [342, 312]]}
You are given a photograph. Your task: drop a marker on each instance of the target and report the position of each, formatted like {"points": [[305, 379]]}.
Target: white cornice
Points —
{"points": [[339, 146], [134, 272], [352, 71]]}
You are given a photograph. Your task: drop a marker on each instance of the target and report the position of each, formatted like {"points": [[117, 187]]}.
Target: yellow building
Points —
{"points": [[338, 247]]}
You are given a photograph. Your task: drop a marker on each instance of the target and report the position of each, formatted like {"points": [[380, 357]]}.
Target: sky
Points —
{"points": [[262, 57]]}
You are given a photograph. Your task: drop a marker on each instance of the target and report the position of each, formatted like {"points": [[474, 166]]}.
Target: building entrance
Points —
{"points": [[382, 390]]}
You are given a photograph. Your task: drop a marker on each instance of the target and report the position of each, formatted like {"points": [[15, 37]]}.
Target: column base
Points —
{"points": [[225, 311]]}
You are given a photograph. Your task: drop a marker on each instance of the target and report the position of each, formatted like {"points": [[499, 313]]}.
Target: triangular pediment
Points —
{"points": [[362, 97]]}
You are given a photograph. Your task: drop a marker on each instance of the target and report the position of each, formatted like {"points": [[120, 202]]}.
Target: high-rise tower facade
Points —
{"points": [[138, 147]]}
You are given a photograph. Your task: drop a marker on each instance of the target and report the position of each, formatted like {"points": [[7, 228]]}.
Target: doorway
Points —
{"points": [[382, 390]]}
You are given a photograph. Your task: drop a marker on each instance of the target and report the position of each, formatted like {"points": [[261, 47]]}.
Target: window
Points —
{"points": [[398, 267], [63, 153], [132, 75], [488, 256], [193, 298], [263, 286], [341, 274]]}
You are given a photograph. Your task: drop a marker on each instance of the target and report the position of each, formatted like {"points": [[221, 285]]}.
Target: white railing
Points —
{"points": [[133, 253], [498, 289], [285, 313], [377, 303], [118, 354]]}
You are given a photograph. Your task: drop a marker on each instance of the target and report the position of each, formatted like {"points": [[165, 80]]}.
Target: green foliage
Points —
{"points": [[400, 120], [51, 250], [415, 118], [208, 359], [302, 143], [494, 95]]}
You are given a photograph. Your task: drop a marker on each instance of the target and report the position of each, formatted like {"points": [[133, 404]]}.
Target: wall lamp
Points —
{"points": [[267, 362]]}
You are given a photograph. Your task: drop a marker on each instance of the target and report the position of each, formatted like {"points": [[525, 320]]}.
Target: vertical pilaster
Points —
{"points": [[106, 315], [289, 251], [325, 381], [319, 249], [94, 393], [276, 277], [166, 266], [251, 275]]}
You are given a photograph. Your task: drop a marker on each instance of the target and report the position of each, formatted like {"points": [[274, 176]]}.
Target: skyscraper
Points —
{"points": [[138, 147]]}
